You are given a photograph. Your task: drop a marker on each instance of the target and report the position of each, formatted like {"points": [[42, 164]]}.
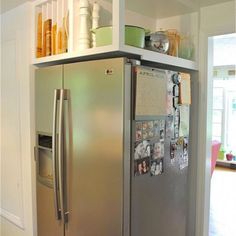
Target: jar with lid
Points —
{"points": [[159, 41]]}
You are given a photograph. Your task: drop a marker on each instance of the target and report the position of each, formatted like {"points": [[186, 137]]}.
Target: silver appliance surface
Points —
{"points": [[85, 131], [92, 157], [95, 147], [159, 203], [46, 81]]}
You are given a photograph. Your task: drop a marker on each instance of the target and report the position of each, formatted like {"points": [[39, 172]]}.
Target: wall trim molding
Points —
{"points": [[16, 220]]}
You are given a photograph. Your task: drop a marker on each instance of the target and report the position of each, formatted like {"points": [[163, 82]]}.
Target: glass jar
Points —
{"points": [[174, 40], [159, 41], [186, 49]]}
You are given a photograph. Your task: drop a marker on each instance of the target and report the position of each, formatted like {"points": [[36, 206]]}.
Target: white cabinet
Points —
{"points": [[152, 15], [17, 165]]}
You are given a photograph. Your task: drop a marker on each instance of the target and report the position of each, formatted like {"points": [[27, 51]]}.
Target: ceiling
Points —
{"points": [[9, 4], [166, 8]]}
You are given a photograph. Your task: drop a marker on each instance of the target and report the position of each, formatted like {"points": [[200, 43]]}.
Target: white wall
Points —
{"points": [[218, 19], [17, 189], [214, 20]]}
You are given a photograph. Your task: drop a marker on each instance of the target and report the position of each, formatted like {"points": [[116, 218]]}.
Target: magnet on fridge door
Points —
{"points": [[183, 162], [185, 147], [141, 167], [156, 151], [145, 165], [142, 149], [156, 128], [169, 127], [138, 131], [156, 167], [145, 125], [149, 124], [162, 135], [173, 148], [162, 124], [145, 134], [150, 133]]}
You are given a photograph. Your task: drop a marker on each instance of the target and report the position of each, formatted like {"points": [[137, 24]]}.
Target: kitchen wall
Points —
{"points": [[214, 20], [133, 18], [17, 171], [218, 19]]}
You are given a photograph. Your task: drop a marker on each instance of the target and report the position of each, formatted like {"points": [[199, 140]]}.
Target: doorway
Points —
{"points": [[223, 179]]}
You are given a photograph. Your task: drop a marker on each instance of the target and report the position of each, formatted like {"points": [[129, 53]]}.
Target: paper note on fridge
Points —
{"points": [[185, 89], [151, 92], [184, 121]]}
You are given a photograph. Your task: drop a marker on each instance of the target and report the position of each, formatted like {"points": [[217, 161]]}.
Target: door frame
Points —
{"points": [[205, 97]]}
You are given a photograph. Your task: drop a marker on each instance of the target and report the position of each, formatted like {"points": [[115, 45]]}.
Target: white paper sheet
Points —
{"points": [[151, 93]]}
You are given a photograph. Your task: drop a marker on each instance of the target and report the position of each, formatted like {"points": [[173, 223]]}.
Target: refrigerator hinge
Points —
{"points": [[134, 62]]}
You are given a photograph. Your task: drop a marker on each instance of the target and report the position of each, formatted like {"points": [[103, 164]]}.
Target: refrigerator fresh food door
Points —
{"points": [[159, 194], [96, 139], [48, 80]]}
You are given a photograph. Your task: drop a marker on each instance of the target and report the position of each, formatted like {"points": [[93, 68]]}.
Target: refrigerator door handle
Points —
{"points": [[61, 154], [54, 156]]}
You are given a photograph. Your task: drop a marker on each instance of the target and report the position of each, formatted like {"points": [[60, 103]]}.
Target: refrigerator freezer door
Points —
{"points": [[47, 80], [47, 224], [95, 147]]}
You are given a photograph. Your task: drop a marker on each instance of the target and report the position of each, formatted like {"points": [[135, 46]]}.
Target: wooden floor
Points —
{"points": [[223, 203]]}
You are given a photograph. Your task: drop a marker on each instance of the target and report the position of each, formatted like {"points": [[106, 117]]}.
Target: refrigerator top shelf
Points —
{"points": [[109, 52]]}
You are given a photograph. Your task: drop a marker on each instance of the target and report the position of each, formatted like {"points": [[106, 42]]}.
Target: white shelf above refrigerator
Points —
{"points": [[156, 57], [108, 51]]}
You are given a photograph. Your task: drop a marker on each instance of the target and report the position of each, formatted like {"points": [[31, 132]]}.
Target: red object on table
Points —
{"points": [[229, 156], [214, 154]]}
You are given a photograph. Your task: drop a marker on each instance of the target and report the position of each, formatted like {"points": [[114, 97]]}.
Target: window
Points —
{"points": [[218, 113], [224, 113]]}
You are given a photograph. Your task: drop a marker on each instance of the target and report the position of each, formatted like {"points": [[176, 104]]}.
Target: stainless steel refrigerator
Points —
{"points": [[92, 120]]}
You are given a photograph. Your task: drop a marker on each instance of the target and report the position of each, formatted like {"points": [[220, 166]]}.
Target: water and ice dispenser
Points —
{"points": [[44, 159]]}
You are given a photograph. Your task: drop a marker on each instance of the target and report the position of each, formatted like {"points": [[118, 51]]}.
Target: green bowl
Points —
{"points": [[134, 36]]}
